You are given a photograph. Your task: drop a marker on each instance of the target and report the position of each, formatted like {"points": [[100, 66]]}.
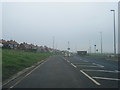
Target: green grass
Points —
{"points": [[14, 61]]}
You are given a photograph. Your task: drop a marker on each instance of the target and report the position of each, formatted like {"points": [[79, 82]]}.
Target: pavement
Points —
{"points": [[70, 72]]}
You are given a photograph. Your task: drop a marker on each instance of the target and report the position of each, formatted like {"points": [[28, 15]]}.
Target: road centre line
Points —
{"points": [[68, 61], [73, 65], [27, 74], [106, 78], [100, 70], [97, 83]]}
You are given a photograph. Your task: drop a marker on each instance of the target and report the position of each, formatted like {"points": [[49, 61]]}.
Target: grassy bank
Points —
{"points": [[14, 61]]}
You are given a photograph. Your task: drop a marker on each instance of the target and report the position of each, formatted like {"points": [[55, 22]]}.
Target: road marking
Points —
{"points": [[27, 74], [90, 78], [100, 70], [85, 61], [73, 65], [98, 65], [106, 78], [68, 61], [117, 71], [88, 66]]}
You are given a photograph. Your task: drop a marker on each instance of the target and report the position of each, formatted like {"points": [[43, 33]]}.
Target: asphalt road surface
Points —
{"points": [[71, 72]]}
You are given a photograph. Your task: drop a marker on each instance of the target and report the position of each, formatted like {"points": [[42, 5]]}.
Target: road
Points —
{"points": [[71, 72]]}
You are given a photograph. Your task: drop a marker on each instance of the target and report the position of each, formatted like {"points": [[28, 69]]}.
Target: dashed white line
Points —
{"points": [[97, 83], [68, 61], [73, 65], [106, 78]]}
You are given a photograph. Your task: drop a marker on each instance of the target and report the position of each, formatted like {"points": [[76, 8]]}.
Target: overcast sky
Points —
{"points": [[79, 23]]}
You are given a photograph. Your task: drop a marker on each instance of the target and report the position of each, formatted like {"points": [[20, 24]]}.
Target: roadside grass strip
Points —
{"points": [[107, 78], [97, 83]]}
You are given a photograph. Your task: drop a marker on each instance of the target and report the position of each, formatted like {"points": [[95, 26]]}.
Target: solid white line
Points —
{"points": [[27, 74], [90, 78], [98, 65], [106, 78], [100, 70], [85, 61], [87, 66], [73, 65]]}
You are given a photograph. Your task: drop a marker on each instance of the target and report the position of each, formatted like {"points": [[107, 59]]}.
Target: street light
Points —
{"points": [[95, 49], [101, 42], [114, 32]]}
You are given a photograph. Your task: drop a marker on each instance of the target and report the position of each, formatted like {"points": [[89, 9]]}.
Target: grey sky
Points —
{"points": [[78, 23]]}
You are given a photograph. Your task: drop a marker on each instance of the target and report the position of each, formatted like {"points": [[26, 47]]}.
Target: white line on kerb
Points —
{"points": [[90, 78], [73, 65], [106, 78], [27, 74]]}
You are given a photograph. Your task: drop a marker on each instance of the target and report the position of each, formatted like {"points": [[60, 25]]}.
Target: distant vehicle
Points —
{"points": [[65, 55], [81, 52]]}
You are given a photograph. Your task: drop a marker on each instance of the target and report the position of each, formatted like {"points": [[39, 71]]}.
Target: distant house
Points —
{"points": [[1, 44], [4, 44], [13, 44]]}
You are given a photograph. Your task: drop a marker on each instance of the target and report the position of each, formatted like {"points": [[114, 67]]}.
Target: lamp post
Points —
{"points": [[101, 42], [95, 48], [114, 32], [53, 43]]}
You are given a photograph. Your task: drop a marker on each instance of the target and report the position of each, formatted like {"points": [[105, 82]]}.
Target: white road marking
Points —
{"points": [[88, 66], [117, 71], [27, 74], [100, 70], [73, 65], [90, 78], [85, 61], [98, 65], [106, 78], [68, 61]]}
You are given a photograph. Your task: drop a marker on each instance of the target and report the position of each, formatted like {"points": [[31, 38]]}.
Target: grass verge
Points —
{"points": [[14, 61]]}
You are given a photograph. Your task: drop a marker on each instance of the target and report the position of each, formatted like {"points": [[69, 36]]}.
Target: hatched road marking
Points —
{"points": [[100, 70], [97, 83], [106, 78]]}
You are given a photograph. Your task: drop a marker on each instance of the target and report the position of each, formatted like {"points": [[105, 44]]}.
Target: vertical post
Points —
{"points": [[53, 43], [95, 48], [114, 33], [101, 42]]}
